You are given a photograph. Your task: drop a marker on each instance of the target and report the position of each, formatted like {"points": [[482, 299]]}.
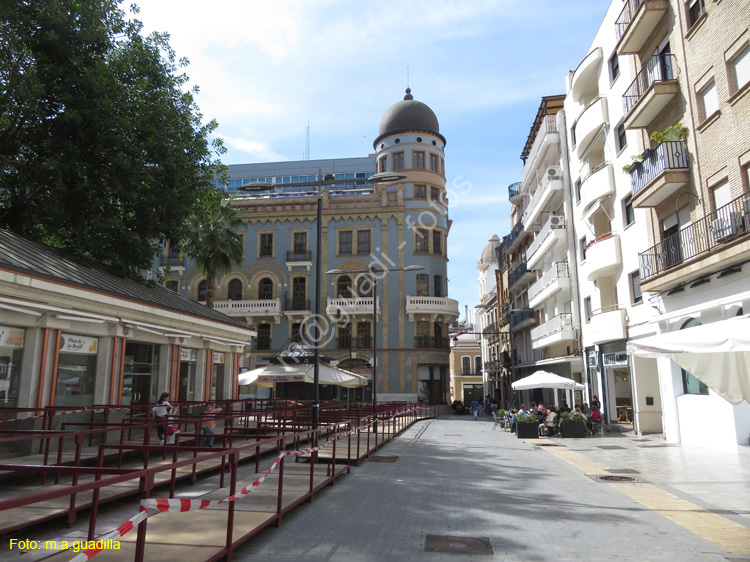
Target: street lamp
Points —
{"points": [[328, 179], [374, 278]]}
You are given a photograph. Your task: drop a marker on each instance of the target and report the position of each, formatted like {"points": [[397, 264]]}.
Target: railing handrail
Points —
{"points": [[699, 237], [626, 16], [668, 155], [544, 232], [549, 125], [558, 270], [658, 68], [555, 324]]}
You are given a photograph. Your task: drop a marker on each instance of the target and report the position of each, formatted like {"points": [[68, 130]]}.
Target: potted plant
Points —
{"points": [[527, 426], [573, 424]]}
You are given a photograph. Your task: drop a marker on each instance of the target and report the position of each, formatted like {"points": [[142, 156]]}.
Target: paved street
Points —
{"points": [[534, 502]]}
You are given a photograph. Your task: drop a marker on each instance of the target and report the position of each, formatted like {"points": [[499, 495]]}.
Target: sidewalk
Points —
{"points": [[457, 479]]}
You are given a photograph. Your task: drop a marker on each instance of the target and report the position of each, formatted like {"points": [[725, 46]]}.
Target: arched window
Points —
{"points": [[235, 290], [265, 289], [465, 365], [690, 384], [344, 287], [202, 290], [364, 285]]}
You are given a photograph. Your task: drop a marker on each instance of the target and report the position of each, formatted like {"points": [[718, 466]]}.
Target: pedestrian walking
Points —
{"points": [[162, 411], [487, 405], [475, 408]]}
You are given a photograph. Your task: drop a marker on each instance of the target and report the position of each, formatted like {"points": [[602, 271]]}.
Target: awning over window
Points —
{"points": [[717, 354]]}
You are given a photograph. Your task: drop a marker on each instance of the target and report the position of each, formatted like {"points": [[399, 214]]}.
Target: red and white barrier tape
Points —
{"points": [[177, 505]]}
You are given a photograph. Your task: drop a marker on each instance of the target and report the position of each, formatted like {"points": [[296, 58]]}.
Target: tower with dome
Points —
{"points": [[388, 226]]}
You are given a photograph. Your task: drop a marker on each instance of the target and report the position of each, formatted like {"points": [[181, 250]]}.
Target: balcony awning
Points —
{"points": [[717, 354]]}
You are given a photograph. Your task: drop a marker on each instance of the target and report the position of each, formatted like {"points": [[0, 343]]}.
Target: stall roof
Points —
{"points": [[22, 256]]}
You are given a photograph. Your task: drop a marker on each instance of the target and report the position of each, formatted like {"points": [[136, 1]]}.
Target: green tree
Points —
{"points": [[214, 243], [103, 151]]}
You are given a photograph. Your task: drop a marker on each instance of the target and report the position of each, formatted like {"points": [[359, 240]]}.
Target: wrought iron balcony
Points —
{"points": [[430, 342], [637, 22], [294, 304], [514, 193], [299, 256], [349, 342], [666, 157], [658, 68], [522, 318], [519, 274], [702, 236]]}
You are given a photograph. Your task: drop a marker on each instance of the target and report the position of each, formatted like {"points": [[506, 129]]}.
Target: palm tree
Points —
{"points": [[213, 242]]}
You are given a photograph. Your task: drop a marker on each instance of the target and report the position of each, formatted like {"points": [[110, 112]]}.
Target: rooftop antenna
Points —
{"points": [[307, 142]]}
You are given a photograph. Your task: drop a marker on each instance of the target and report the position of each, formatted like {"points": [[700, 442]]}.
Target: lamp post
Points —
{"points": [[374, 278], [329, 179]]}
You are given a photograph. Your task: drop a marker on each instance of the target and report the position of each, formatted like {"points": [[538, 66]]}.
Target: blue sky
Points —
{"points": [[265, 69]]}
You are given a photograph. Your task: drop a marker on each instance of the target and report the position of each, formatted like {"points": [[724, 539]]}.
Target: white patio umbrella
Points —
{"points": [[544, 379], [301, 372], [717, 354]]}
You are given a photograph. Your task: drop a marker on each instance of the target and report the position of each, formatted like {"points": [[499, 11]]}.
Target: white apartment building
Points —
{"points": [[609, 232]]}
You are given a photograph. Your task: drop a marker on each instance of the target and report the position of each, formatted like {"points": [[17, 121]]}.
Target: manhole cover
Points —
{"points": [[641, 440], [622, 471], [383, 458], [611, 478], [457, 545], [610, 447]]}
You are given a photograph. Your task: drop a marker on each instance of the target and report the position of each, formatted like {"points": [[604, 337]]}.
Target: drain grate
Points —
{"points": [[658, 445], [641, 440], [448, 544], [547, 445], [612, 478], [622, 471], [609, 447], [383, 458], [453, 435]]}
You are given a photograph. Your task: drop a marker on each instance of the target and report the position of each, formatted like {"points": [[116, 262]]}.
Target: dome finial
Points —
{"points": [[408, 95]]}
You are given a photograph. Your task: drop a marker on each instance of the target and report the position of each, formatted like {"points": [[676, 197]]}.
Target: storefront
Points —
{"points": [[186, 382], [76, 370], [140, 373], [11, 353]]}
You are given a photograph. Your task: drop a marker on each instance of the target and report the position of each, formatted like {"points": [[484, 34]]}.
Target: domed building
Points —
{"points": [[386, 227]]}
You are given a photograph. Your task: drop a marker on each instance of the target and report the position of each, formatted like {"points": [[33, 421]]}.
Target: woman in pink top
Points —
{"points": [[208, 424]]}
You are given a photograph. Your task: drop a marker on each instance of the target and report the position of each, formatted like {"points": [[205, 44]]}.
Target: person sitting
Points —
{"points": [[547, 427], [541, 410], [585, 410], [523, 410], [595, 421], [512, 416]]}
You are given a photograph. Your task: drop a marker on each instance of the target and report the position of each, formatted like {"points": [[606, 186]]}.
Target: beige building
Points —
{"points": [[689, 104], [466, 369]]}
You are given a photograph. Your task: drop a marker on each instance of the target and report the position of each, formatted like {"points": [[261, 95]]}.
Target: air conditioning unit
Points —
{"points": [[554, 172], [726, 226], [556, 220]]}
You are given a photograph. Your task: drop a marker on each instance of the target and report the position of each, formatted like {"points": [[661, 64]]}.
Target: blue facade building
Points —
{"points": [[365, 227]]}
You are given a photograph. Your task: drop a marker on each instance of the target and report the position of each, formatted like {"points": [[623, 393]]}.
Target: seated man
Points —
{"points": [[595, 420], [547, 428]]}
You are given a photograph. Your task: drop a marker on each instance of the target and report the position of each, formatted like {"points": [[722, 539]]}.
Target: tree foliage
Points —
{"points": [[213, 242], [103, 151]]}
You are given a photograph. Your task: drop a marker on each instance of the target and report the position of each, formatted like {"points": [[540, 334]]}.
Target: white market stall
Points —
{"points": [[544, 379]]}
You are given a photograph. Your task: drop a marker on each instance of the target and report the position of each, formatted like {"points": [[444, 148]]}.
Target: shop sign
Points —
{"points": [[79, 344], [282, 378], [11, 337], [189, 355], [218, 357]]}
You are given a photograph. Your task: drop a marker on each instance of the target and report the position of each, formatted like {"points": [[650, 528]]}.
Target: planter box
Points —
{"points": [[573, 429], [527, 430]]}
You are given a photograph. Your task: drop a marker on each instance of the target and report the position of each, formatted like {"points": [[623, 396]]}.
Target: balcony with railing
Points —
{"points": [[514, 193], [541, 198], [297, 305], [430, 342], [606, 324], [663, 171], [555, 279], [523, 318], [516, 236], [596, 185], [301, 258], [354, 342], [263, 307], [442, 306], [357, 306], [552, 233], [603, 257], [589, 124], [637, 22], [547, 135], [521, 274], [585, 79], [654, 87], [710, 234], [558, 329]]}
